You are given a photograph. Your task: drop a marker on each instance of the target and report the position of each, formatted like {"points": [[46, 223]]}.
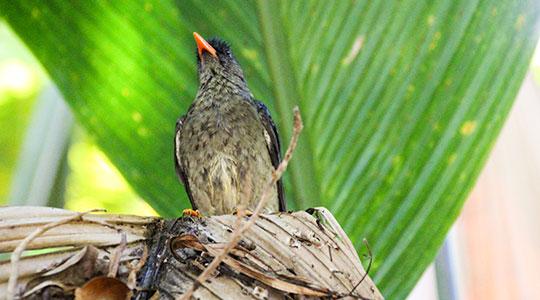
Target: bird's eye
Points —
{"points": [[222, 60]]}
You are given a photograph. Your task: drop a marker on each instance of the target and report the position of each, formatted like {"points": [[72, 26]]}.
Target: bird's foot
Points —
{"points": [[243, 212], [191, 213]]}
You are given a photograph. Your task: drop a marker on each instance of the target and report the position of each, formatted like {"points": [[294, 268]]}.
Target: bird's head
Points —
{"points": [[215, 58]]}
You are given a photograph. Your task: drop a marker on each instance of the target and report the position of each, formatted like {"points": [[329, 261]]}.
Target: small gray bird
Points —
{"points": [[226, 146]]}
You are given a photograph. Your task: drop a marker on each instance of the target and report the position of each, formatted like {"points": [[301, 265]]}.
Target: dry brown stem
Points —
{"points": [[116, 255], [237, 234], [132, 277]]}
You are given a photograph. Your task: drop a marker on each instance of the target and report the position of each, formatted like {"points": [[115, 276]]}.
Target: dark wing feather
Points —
{"points": [[177, 161], [274, 147]]}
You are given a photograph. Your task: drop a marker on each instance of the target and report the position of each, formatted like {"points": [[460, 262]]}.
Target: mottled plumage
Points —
{"points": [[226, 146]]}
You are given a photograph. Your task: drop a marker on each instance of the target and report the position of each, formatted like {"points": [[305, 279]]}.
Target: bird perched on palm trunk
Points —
{"points": [[226, 146]]}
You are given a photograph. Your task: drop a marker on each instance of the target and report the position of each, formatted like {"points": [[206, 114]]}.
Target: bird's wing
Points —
{"points": [[178, 161], [273, 145]]}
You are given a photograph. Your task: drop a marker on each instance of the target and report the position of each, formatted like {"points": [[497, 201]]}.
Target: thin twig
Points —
{"points": [[370, 255], [237, 234], [16, 255], [116, 255], [132, 277]]}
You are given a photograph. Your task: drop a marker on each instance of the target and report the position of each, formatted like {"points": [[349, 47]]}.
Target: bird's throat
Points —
{"points": [[222, 82]]}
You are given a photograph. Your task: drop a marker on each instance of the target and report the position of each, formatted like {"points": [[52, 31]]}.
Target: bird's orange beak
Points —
{"points": [[202, 45]]}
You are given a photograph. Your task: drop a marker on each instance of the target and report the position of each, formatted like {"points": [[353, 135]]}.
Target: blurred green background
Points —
{"points": [[91, 181], [402, 102]]}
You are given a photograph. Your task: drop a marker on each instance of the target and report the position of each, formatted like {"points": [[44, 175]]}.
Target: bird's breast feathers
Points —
{"points": [[223, 175]]}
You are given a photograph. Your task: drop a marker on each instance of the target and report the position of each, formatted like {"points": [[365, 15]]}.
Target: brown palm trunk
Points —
{"points": [[284, 256]]}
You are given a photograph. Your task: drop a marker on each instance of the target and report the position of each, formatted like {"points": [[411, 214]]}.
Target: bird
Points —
{"points": [[226, 146]]}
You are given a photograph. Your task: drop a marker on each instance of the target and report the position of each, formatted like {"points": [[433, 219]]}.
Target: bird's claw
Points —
{"points": [[243, 212], [191, 213]]}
